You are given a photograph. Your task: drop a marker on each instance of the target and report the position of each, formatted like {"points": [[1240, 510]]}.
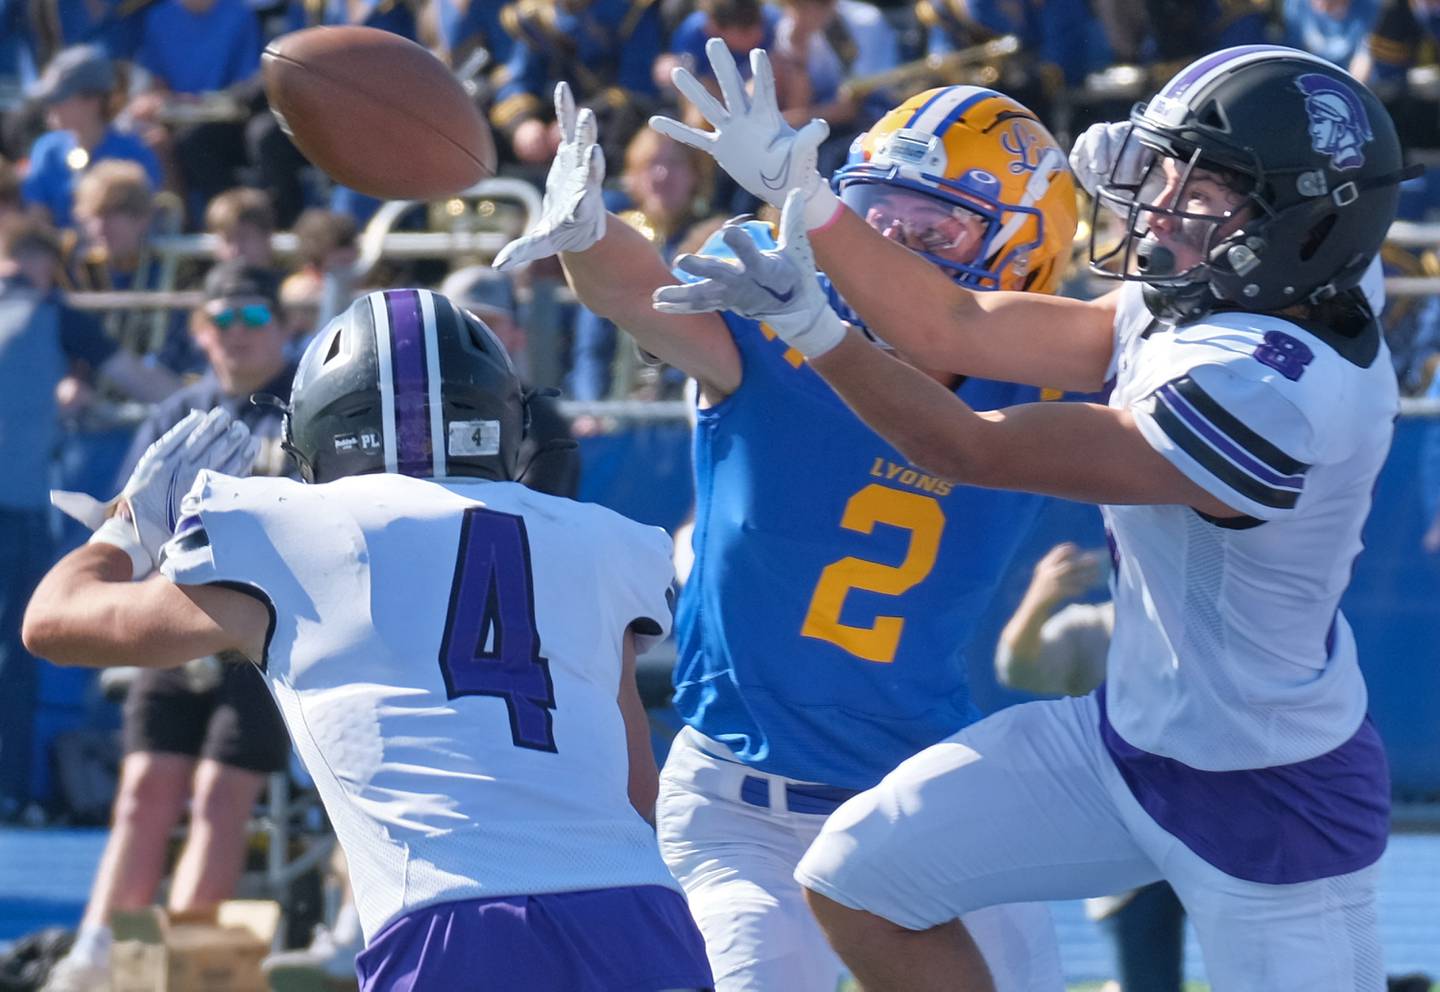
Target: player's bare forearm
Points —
{"points": [[615, 278], [1079, 451], [87, 612], [644, 779], [915, 307]]}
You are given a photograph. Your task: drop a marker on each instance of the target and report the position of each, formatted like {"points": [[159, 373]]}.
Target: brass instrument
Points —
{"points": [[977, 64]]}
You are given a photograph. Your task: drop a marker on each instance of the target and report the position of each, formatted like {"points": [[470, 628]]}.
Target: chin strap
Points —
{"points": [[554, 444]]}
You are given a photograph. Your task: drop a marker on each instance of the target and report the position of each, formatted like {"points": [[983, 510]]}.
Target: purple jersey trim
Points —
{"points": [[1171, 398], [412, 383], [1293, 823], [636, 939]]}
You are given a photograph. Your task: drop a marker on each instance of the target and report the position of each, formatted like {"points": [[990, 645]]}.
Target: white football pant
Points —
{"points": [[1027, 804], [736, 860]]}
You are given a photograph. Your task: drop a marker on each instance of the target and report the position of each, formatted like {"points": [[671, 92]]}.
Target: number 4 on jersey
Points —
{"points": [[491, 646]]}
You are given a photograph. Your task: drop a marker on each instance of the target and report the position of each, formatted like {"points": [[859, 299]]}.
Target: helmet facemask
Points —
{"points": [[1315, 163], [1182, 216]]}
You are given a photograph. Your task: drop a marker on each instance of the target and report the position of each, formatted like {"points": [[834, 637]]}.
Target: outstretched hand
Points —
{"points": [[778, 286], [572, 214], [143, 516], [751, 140]]}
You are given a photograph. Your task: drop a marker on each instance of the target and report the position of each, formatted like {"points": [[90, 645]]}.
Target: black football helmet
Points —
{"points": [[1310, 150], [405, 381]]}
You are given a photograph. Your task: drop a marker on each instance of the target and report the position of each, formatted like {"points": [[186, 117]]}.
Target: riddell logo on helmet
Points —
{"points": [[1339, 126]]}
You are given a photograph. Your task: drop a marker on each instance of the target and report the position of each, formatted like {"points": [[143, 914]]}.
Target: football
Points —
{"points": [[377, 112]]}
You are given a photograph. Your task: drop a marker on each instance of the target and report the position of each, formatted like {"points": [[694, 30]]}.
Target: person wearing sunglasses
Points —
{"points": [[205, 734]]}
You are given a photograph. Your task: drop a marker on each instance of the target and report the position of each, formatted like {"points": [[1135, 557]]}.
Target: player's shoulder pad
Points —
{"points": [[760, 232], [1279, 379], [631, 534], [207, 515]]}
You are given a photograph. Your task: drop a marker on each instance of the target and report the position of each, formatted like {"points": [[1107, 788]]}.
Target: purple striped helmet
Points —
{"points": [[1310, 155], [405, 381]]}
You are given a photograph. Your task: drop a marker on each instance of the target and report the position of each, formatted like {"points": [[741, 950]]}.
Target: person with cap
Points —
{"points": [[548, 460], [205, 734], [75, 88]]}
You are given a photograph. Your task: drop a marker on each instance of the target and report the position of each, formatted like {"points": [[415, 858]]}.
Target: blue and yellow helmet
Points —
{"points": [[976, 152]]}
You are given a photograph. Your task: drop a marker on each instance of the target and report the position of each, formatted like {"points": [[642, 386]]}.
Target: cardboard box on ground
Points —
{"points": [[214, 952]]}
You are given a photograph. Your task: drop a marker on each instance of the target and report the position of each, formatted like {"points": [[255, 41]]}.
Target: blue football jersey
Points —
{"points": [[835, 584]]}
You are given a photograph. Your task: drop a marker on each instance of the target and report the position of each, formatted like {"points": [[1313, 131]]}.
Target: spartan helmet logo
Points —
{"points": [[1338, 124]]}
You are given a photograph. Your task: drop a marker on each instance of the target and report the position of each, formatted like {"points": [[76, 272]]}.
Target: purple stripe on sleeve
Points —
{"points": [[412, 383], [1228, 448]]}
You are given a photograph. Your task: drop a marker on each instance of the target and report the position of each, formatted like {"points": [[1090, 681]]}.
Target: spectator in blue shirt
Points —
{"points": [[1163, 31], [17, 43], [1331, 29], [1058, 42], [76, 88], [199, 46], [1404, 31], [605, 49], [194, 50], [60, 24], [384, 15], [1054, 32], [465, 25], [741, 24], [42, 341]]}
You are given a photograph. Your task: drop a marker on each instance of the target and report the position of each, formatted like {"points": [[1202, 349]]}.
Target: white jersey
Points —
{"points": [[1229, 649], [447, 658]]}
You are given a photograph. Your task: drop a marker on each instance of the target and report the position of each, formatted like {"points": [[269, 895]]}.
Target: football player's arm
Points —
{"points": [[615, 278], [1078, 451], [86, 611], [1012, 337], [644, 775]]}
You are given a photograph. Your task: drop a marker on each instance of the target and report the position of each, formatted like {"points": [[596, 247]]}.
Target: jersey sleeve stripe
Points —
{"points": [[1225, 446], [1222, 468], [1222, 418]]}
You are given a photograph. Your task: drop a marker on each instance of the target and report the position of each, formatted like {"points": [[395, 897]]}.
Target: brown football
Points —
{"points": [[377, 112]]}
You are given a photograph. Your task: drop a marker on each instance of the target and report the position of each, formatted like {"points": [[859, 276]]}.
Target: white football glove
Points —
{"points": [[143, 516], [572, 214], [751, 141], [777, 287], [1094, 155]]}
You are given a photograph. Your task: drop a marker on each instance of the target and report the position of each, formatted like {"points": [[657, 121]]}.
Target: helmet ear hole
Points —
{"points": [[1316, 236], [334, 350], [472, 333], [1213, 116]]}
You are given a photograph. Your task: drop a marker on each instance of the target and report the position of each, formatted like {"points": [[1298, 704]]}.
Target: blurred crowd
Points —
{"points": [[129, 124]]}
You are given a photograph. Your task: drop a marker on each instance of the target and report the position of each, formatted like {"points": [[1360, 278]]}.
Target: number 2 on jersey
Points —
{"points": [[491, 646], [876, 504]]}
